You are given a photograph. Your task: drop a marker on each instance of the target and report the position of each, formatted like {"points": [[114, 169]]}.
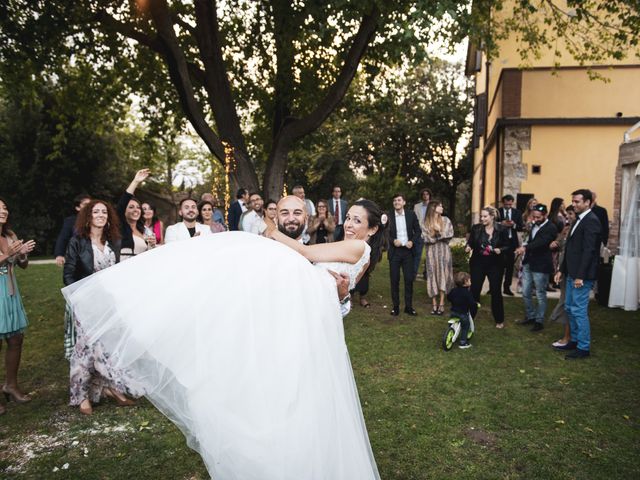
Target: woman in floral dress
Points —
{"points": [[95, 247], [437, 232]]}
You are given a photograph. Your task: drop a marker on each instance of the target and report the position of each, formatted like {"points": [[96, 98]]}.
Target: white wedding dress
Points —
{"points": [[239, 341]]}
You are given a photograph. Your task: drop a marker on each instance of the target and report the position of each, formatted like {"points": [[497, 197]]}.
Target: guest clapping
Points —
{"points": [[13, 320], [488, 240], [321, 226], [95, 247]]}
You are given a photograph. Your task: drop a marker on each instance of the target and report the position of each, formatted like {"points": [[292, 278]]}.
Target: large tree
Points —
{"points": [[415, 135], [262, 74]]}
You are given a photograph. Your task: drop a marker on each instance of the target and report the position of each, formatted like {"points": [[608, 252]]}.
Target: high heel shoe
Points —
{"points": [[120, 399], [15, 395], [441, 310], [86, 408]]}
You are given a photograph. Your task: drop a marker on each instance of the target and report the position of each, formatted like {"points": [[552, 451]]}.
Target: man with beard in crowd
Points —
{"points": [[188, 227]]}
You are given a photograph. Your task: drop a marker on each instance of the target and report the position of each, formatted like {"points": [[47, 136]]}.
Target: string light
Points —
{"points": [[229, 168]]}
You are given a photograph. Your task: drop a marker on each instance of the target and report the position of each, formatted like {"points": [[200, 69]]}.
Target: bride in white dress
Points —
{"points": [[262, 388]]}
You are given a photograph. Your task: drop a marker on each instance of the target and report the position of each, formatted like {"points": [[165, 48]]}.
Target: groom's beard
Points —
{"points": [[289, 232]]}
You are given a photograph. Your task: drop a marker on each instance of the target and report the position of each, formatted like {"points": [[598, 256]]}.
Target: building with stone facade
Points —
{"points": [[546, 130]]}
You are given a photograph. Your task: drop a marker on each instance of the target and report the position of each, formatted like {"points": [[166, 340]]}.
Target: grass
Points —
{"points": [[508, 408]]}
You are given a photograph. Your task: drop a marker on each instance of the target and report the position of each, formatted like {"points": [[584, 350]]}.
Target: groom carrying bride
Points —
{"points": [[292, 218]]}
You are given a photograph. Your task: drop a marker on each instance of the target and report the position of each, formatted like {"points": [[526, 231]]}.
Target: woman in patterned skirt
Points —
{"points": [[437, 232], [13, 319], [95, 247]]}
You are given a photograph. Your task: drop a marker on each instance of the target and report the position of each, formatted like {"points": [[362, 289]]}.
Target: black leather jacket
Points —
{"points": [[78, 261]]}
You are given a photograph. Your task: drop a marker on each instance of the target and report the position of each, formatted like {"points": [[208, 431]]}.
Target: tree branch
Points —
{"points": [[152, 43], [337, 91], [129, 31], [216, 81], [179, 73]]}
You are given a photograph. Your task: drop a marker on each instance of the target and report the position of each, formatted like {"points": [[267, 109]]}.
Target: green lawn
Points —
{"points": [[510, 407]]}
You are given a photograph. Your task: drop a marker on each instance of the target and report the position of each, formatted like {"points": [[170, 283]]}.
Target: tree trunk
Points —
{"points": [[274, 176], [453, 191]]}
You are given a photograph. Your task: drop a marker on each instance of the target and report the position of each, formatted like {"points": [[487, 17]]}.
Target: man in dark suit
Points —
{"points": [[404, 231], [580, 266], [338, 210], [67, 230], [511, 219], [237, 208], [537, 266]]}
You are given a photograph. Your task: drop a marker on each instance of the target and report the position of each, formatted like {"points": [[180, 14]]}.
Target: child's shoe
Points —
{"points": [[464, 345]]}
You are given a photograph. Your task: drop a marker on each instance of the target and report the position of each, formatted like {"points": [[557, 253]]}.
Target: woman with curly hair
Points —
{"points": [[95, 247]]}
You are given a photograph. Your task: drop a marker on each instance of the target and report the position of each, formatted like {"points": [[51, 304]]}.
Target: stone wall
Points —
{"points": [[516, 139]]}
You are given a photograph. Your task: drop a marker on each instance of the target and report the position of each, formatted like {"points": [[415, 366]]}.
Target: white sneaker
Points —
{"points": [[465, 345]]}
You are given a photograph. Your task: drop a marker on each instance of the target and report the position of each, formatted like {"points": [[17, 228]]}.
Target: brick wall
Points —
{"points": [[629, 154]]}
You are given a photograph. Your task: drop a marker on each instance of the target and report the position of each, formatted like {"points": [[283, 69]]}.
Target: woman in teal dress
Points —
{"points": [[13, 320]]}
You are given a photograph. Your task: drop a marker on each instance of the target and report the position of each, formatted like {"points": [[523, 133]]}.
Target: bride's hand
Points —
{"points": [[271, 227]]}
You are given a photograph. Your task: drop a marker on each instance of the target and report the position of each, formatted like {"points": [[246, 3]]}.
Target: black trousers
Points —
{"points": [[490, 267], [509, 262], [402, 259]]}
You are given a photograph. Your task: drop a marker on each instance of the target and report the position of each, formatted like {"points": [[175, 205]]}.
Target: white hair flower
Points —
{"points": [[384, 219]]}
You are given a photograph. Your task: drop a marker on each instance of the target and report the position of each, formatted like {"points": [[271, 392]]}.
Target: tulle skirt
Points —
{"points": [[239, 341]]}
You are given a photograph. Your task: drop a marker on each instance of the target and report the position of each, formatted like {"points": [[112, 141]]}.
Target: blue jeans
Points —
{"points": [[464, 323], [539, 281], [576, 303]]}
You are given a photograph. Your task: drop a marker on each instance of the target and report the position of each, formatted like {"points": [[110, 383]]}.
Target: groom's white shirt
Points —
{"points": [[179, 231]]}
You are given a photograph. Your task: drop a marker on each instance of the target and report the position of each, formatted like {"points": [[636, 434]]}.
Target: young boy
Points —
{"points": [[463, 304]]}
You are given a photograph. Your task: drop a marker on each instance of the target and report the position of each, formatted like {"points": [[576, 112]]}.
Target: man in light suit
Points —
{"points": [[420, 209], [404, 231], [511, 220], [338, 210], [580, 266], [537, 266], [188, 227], [237, 208]]}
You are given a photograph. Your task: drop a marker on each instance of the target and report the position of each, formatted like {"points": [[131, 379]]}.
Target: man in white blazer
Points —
{"points": [[188, 227]]}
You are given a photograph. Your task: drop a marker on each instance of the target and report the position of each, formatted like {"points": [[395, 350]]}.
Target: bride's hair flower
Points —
{"points": [[384, 219]]}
